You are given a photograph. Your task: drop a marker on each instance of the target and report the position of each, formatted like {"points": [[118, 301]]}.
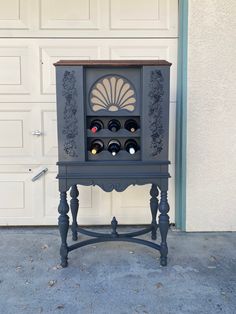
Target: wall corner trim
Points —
{"points": [[181, 118]]}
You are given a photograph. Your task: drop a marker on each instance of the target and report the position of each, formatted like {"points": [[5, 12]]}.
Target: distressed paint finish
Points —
{"points": [[211, 128]]}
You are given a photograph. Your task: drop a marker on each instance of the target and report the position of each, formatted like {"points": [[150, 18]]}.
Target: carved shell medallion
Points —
{"points": [[112, 93]]}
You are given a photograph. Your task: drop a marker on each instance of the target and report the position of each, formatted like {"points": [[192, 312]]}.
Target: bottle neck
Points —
{"points": [[114, 125], [114, 147], [131, 146], [94, 129], [131, 125], [132, 151], [96, 147], [96, 126]]}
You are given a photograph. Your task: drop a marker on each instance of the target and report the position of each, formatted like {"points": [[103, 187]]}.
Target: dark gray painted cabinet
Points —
{"points": [[106, 90]]}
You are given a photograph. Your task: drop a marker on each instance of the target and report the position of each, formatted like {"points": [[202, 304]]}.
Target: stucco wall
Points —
{"points": [[211, 117]]}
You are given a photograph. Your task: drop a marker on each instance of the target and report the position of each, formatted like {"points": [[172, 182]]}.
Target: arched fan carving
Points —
{"points": [[112, 93]]}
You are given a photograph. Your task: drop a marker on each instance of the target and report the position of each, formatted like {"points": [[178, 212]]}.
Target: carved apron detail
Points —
{"points": [[155, 112], [70, 129]]}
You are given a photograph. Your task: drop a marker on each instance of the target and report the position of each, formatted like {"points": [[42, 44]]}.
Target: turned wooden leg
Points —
{"points": [[154, 207], [74, 206], [63, 223], [164, 226]]}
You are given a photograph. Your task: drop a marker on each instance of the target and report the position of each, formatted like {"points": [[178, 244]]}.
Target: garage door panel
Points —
{"points": [[16, 196], [132, 205], [14, 70], [49, 134], [15, 137], [100, 211], [133, 14], [77, 14], [19, 126], [50, 195], [14, 14]]}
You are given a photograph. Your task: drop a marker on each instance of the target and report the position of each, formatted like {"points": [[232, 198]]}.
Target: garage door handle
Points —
{"points": [[38, 175], [37, 133]]}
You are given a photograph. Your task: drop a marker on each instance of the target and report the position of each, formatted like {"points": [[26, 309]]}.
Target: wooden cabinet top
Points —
{"points": [[121, 63]]}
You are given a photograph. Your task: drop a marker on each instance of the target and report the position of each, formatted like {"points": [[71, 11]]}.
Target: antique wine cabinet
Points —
{"points": [[113, 121]]}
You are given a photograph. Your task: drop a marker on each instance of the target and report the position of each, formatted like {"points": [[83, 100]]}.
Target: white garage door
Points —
{"points": [[36, 33]]}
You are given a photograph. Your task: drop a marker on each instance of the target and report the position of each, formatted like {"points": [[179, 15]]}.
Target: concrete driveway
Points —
{"points": [[117, 278]]}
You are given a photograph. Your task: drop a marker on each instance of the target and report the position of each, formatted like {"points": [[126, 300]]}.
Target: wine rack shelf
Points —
{"points": [[93, 149], [121, 133]]}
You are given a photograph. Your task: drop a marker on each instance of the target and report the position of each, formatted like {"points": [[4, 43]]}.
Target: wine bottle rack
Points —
{"points": [[106, 90], [105, 135]]}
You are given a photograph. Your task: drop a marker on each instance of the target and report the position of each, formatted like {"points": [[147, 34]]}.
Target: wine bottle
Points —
{"points": [[114, 125], [96, 147], [131, 125], [114, 147], [131, 146], [96, 125]]}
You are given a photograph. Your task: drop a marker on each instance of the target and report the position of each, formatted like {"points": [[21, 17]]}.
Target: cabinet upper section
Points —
{"points": [[104, 91]]}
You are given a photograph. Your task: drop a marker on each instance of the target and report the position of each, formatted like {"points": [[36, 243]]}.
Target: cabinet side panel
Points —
{"points": [[70, 113], [155, 113]]}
